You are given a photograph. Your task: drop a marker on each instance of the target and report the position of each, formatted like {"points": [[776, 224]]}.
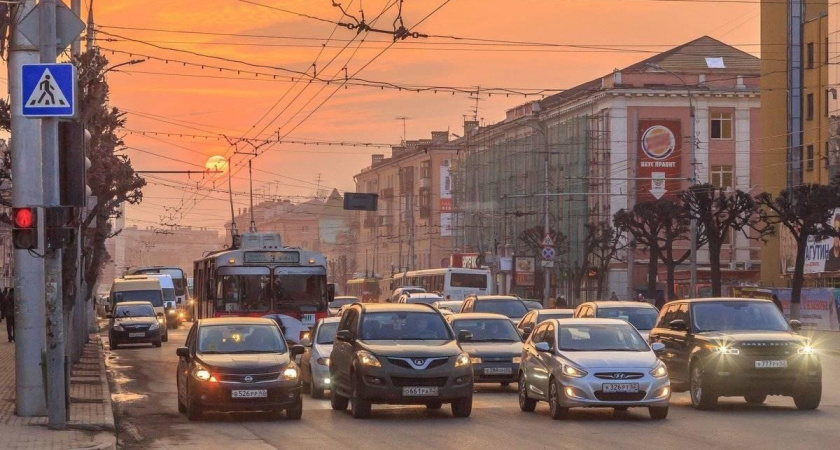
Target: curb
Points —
{"points": [[109, 437]]}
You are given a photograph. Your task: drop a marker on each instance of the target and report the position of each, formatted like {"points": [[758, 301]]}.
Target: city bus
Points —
{"points": [[454, 282], [263, 277], [365, 289]]}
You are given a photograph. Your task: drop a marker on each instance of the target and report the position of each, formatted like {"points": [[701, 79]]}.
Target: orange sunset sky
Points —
{"points": [[171, 98]]}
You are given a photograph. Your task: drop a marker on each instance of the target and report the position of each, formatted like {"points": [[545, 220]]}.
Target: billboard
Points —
{"points": [[445, 199], [824, 255], [524, 270], [658, 159], [817, 308]]}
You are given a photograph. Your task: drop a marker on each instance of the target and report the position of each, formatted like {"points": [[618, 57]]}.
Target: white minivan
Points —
{"points": [[132, 288], [174, 315]]}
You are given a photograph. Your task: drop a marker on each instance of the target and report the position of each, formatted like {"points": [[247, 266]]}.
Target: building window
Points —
{"points": [[809, 161], [810, 107], [810, 55], [425, 203], [722, 177], [721, 126]]}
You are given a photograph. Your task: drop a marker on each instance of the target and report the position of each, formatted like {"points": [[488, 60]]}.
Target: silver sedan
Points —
{"points": [[574, 363], [315, 362]]}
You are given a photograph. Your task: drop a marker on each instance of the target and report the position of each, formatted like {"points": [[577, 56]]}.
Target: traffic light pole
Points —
{"points": [[30, 334], [56, 389]]}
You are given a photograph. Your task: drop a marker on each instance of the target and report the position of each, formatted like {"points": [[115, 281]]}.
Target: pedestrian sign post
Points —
{"points": [[548, 241], [548, 253], [49, 90]]}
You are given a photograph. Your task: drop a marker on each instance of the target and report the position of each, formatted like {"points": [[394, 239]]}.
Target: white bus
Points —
{"points": [[454, 282]]}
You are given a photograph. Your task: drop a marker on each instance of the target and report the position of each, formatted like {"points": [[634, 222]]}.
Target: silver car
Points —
{"points": [[573, 363], [315, 362]]}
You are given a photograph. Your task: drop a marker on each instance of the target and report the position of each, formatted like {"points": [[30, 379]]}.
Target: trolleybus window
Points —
{"points": [[468, 280], [300, 289], [244, 293]]}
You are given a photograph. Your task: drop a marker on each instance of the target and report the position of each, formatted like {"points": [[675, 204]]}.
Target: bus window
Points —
{"points": [[243, 293], [468, 280]]}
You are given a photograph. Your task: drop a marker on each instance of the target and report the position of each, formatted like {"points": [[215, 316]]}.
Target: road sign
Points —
{"points": [[68, 25], [548, 253], [548, 241], [49, 90], [547, 264], [360, 201]]}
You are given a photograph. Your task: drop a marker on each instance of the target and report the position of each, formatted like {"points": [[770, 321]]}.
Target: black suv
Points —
{"points": [[402, 354], [736, 347]]}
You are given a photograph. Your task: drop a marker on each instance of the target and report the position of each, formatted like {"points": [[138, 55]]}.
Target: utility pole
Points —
{"points": [[631, 195], [56, 389], [30, 332], [546, 222], [90, 31]]}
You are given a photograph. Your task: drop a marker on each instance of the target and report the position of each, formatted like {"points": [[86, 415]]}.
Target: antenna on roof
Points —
{"points": [[253, 228], [234, 233]]}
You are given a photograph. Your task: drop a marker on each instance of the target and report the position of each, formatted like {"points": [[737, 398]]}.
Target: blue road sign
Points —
{"points": [[548, 253], [49, 90]]}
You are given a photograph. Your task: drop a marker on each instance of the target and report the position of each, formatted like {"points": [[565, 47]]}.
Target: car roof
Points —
{"points": [[619, 304], [236, 321], [135, 303], [496, 297], [397, 307], [555, 311], [344, 296], [425, 295], [479, 316], [402, 288], [723, 299], [588, 321]]}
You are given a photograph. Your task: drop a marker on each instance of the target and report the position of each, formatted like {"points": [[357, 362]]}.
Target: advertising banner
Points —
{"points": [[824, 255], [659, 159], [524, 274], [817, 309], [445, 205]]}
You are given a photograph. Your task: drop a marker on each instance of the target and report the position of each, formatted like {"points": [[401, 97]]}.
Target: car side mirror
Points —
{"points": [[296, 350], [464, 336], [678, 325], [657, 347], [343, 335], [306, 342], [795, 325], [542, 347], [182, 352]]}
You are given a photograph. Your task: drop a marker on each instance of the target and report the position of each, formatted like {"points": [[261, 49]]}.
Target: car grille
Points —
{"points": [[493, 359], [620, 396], [401, 362], [619, 375], [135, 327], [411, 381], [240, 377], [760, 348]]}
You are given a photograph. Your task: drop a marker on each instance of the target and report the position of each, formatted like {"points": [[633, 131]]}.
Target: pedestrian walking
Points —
{"points": [[640, 298], [552, 303], [9, 313], [614, 297], [561, 302], [3, 294]]}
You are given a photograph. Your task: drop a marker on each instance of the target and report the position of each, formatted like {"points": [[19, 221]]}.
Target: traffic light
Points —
{"points": [[25, 228], [60, 223], [72, 142]]}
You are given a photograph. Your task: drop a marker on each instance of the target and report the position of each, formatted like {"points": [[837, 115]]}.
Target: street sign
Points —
{"points": [[547, 264], [68, 25], [548, 253], [360, 202], [548, 241], [49, 90]]}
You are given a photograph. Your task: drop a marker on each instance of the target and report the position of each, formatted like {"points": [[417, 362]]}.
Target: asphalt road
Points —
{"points": [[144, 394]]}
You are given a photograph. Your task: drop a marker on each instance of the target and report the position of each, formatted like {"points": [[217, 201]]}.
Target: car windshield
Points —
{"points": [[300, 289], [326, 333], [511, 308], [427, 300], [410, 326], [339, 302], [601, 338], [168, 295], [134, 311], [152, 296], [228, 339], [726, 316], [641, 318], [545, 316], [488, 330]]}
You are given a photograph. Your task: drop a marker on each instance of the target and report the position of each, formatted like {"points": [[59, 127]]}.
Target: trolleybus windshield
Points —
{"points": [[299, 289]]}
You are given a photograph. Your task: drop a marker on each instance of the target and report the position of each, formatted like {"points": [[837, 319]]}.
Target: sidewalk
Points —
{"points": [[91, 424], [827, 342]]}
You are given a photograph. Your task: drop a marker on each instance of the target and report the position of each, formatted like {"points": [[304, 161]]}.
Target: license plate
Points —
{"points": [[620, 388], [498, 371], [249, 393], [420, 391], [307, 319], [771, 364], [136, 335]]}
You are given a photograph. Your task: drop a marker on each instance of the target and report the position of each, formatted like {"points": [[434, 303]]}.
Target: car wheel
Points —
{"points": [[658, 412], [156, 343], [337, 401], [434, 405], [315, 391], [462, 407], [296, 411], [182, 408], [525, 404], [112, 344], [307, 386], [755, 399], [557, 412], [165, 337], [359, 407], [809, 398], [702, 396], [194, 410]]}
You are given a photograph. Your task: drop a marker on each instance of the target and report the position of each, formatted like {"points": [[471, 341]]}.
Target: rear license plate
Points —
{"points": [[249, 393], [498, 371], [771, 364], [136, 335], [620, 388], [307, 319], [420, 391]]}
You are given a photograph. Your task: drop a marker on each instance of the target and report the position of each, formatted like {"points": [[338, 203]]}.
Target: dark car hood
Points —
{"points": [[492, 348], [752, 336], [134, 320], [245, 363], [412, 348]]}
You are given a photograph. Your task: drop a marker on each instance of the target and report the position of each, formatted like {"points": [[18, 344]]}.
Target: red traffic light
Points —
{"points": [[24, 218]]}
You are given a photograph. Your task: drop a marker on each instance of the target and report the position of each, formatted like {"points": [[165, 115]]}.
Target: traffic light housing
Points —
{"points": [[25, 228], [60, 223], [72, 142]]}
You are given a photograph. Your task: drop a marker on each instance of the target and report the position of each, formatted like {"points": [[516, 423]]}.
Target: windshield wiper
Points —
{"points": [[256, 351], [493, 340]]}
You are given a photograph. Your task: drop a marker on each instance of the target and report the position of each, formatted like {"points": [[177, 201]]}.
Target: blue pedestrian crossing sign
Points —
{"points": [[49, 90]]}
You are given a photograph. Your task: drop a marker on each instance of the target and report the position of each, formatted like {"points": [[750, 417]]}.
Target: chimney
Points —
{"points": [[440, 137], [376, 159], [470, 126], [397, 151]]}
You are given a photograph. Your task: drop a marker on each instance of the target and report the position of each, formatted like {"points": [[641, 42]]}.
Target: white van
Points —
{"points": [[174, 316], [141, 288]]}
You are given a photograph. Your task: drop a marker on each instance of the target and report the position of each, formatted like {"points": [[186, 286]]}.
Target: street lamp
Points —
{"points": [[693, 285]]}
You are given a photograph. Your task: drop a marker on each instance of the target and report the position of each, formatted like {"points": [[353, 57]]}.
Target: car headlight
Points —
{"points": [[203, 374], [153, 326], [323, 361], [367, 359], [724, 350], [464, 360], [806, 350], [118, 327], [516, 359], [475, 360], [660, 371], [160, 320], [290, 374], [572, 371]]}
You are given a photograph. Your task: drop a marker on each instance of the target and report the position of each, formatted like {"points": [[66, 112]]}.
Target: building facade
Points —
{"points": [[603, 146], [412, 228]]}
